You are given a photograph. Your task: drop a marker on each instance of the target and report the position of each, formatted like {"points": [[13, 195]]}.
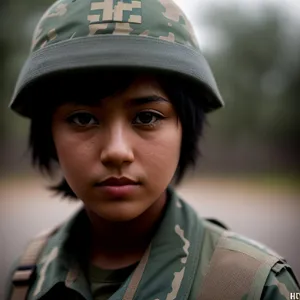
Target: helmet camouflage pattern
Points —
{"points": [[138, 34]]}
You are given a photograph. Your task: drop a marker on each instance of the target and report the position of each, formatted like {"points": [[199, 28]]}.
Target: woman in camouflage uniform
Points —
{"points": [[117, 93]]}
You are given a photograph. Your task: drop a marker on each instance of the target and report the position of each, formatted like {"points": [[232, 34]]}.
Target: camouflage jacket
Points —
{"points": [[189, 258]]}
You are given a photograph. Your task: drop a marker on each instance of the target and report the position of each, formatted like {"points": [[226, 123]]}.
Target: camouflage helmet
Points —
{"points": [[148, 35]]}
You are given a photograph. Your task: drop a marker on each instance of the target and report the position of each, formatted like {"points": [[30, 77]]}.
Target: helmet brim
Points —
{"points": [[104, 52]]}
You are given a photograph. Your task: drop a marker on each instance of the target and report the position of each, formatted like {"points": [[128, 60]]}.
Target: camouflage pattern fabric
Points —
{"points": [[175, 265], [140, 34], [68, 19]]}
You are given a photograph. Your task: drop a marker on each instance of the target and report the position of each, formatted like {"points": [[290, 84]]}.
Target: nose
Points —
{"points": [[117, 149]]}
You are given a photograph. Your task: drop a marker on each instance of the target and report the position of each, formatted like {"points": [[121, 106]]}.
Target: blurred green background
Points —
{"points": [[255, 58], [249, 173]]}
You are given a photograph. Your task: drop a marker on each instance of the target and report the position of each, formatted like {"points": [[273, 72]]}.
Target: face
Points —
{"points": [[120, 154]]}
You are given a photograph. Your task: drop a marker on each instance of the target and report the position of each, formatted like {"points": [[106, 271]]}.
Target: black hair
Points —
{"points": [[48, 94]]}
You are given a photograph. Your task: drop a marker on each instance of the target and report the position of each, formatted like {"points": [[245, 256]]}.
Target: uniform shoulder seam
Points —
{"points": [[246, 245]]}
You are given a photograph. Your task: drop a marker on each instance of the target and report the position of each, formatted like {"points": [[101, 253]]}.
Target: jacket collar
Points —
{"points": [[172, 262], [61, 260]]}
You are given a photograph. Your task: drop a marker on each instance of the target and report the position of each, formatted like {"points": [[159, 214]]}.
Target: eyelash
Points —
{"points": [[71, 119], [158, 117]]}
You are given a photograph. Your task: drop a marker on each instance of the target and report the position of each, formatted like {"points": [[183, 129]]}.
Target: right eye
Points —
{"points": [[83, 119]]}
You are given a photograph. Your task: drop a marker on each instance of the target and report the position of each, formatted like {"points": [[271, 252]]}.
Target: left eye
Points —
{"points": [[147, 117], [83, 119]]}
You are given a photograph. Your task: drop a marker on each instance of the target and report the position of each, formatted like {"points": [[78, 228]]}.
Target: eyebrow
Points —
{"points": [[145, 100]]}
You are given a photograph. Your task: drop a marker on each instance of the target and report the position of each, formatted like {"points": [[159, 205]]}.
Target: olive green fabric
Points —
{"points": [[143, 35], [104, 283], [179, 259]]}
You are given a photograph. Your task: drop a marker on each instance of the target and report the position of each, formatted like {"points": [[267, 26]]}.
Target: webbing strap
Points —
{"points": [[22, 275], [137, 276], [235, 272], [261, 277], [19, 293]]}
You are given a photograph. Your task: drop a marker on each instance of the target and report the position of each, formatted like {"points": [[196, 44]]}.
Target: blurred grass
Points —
{"points": [[288, 183]]}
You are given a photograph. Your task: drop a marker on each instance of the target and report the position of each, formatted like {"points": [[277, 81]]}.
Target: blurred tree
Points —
{"points": [[17, 21], [255, 57], [3, 55]]}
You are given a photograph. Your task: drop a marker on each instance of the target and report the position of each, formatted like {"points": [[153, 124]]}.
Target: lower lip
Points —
{"points": [[119, 191]]}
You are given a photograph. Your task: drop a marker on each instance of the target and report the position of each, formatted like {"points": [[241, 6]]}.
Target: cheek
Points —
{"points": [[160, 157], [74, 153]]}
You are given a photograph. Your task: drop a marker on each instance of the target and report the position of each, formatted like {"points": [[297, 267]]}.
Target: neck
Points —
{"points": [[123, 243]]}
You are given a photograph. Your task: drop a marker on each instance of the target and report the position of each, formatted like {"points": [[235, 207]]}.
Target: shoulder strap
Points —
{"points": [[217, 222], [27, 264], [236, 269]]}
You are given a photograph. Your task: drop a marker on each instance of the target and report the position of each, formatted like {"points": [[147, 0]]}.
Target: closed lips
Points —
{"points": [[117, 182]]}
